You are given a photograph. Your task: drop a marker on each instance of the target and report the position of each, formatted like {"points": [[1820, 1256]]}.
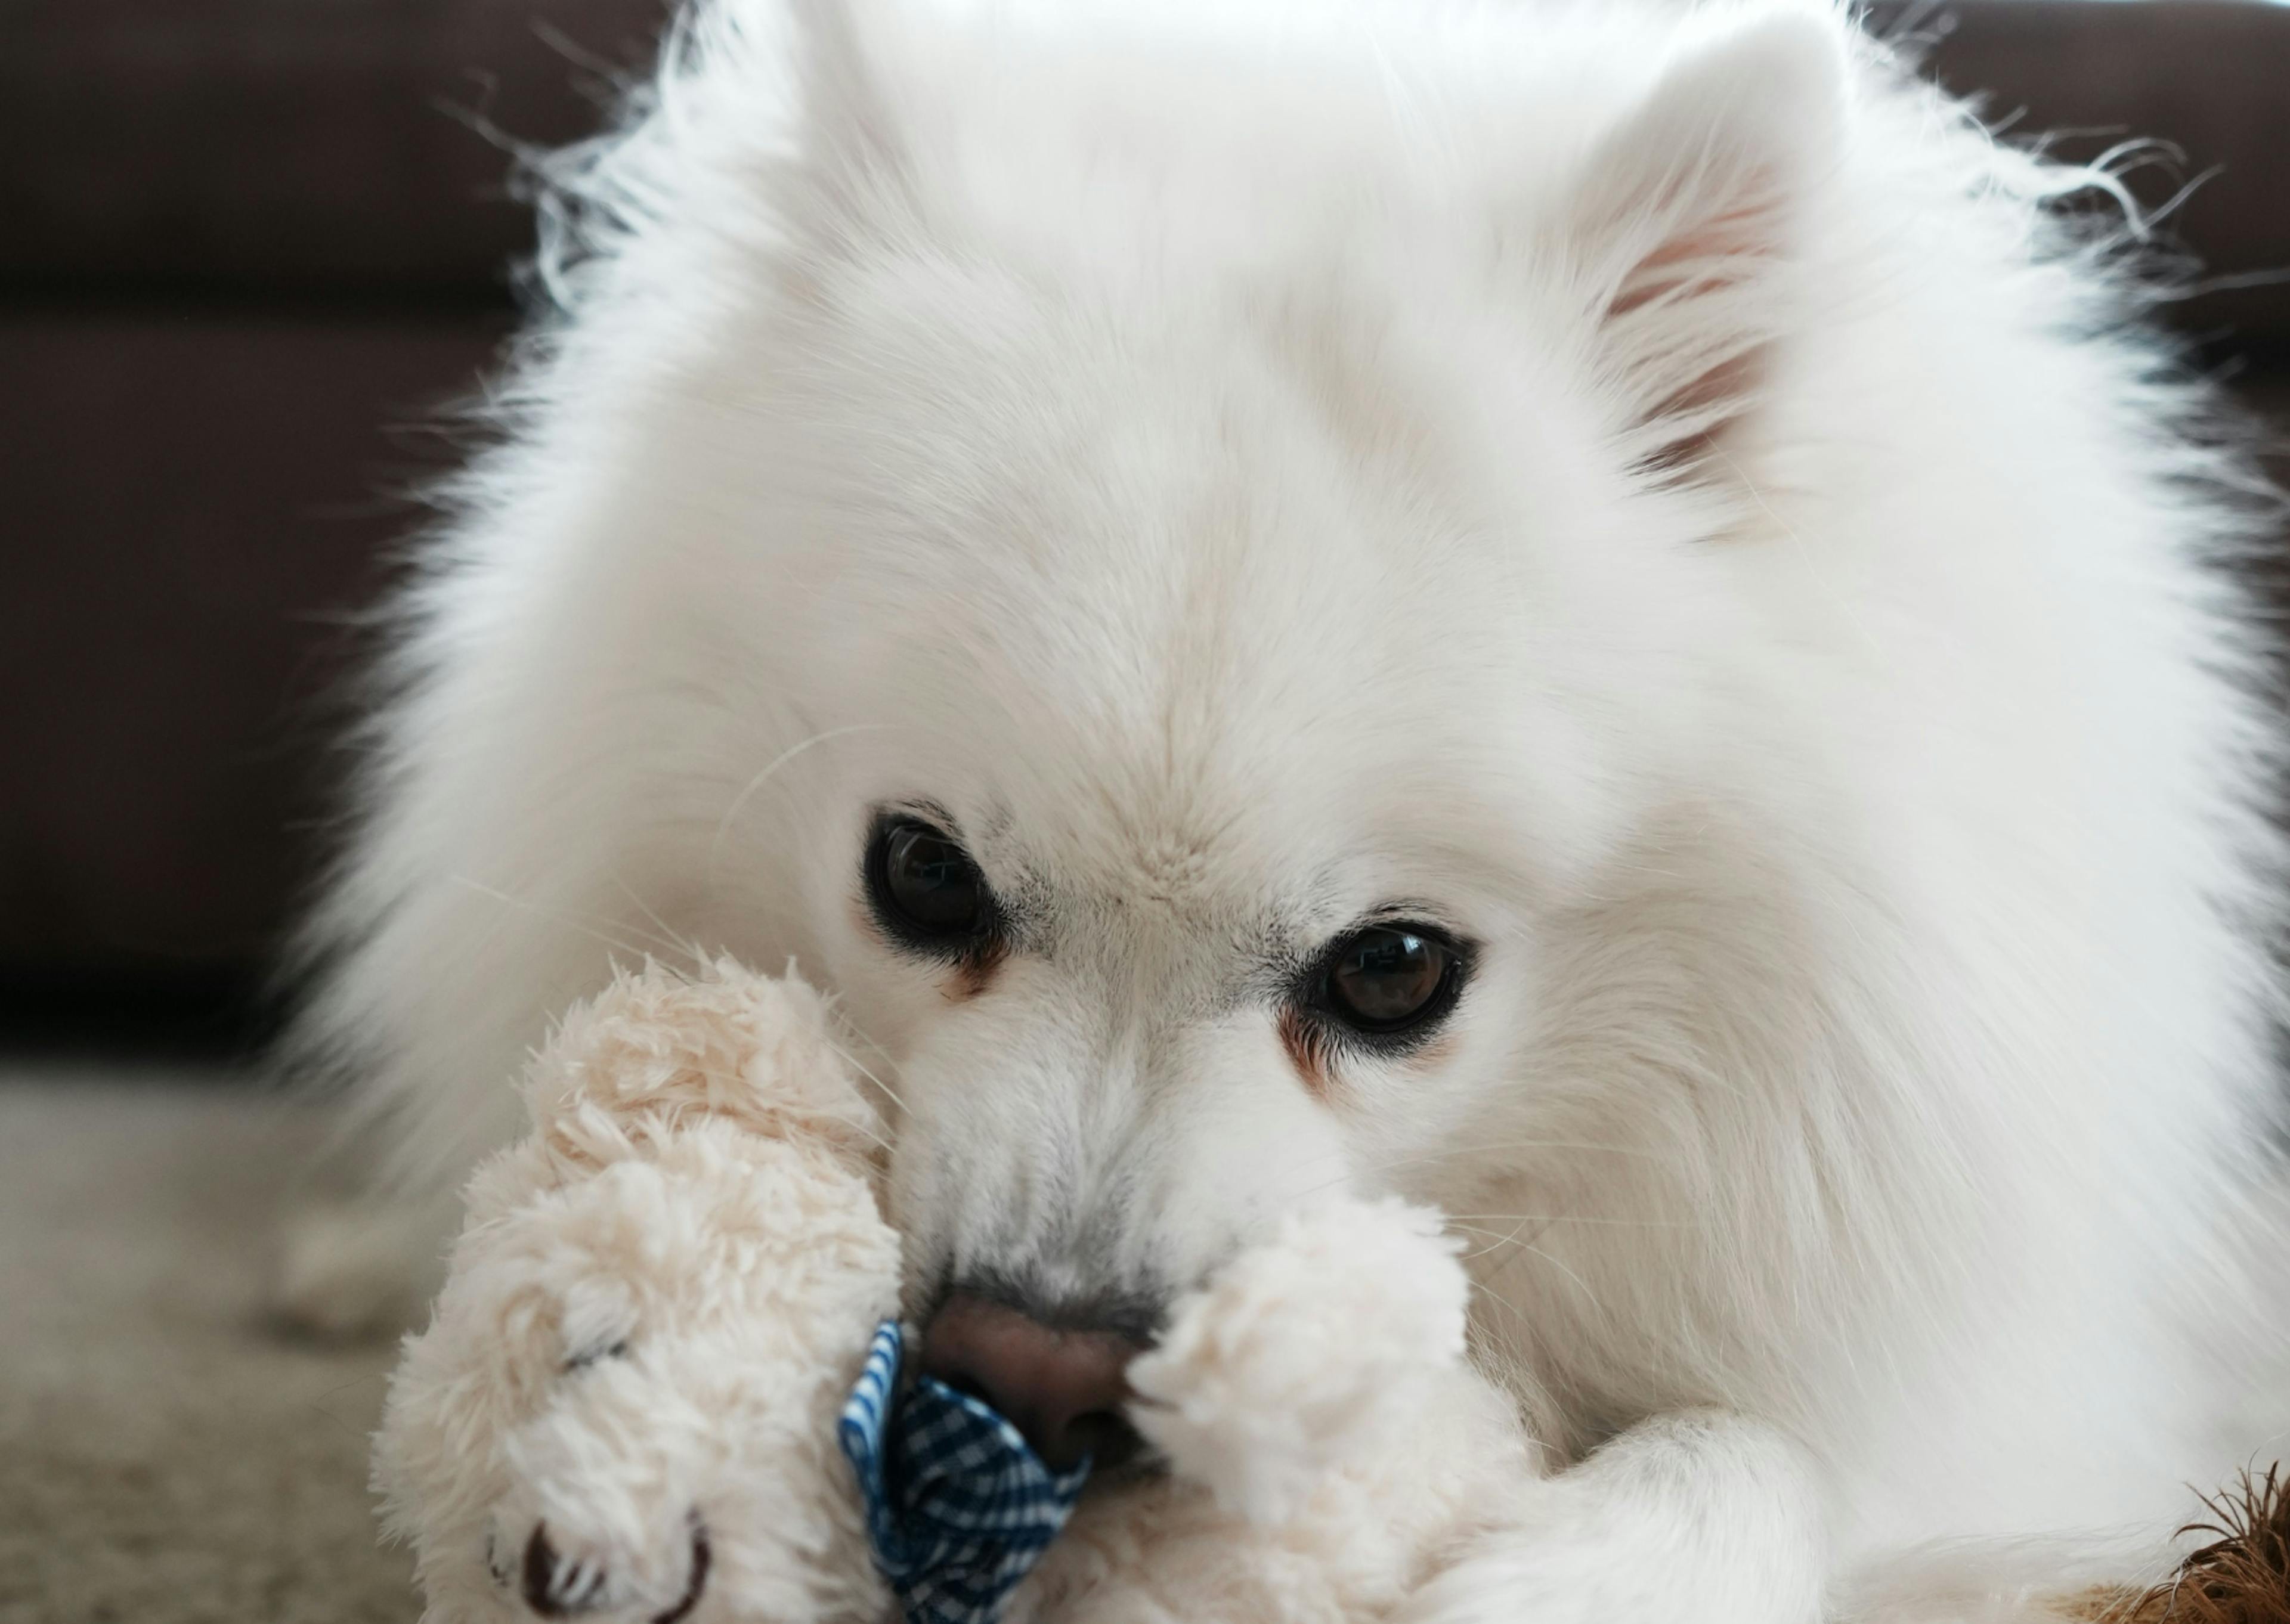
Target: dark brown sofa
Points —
{"points": [[251, 244]]}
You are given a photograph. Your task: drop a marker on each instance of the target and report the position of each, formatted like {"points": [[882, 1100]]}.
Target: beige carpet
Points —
{"points": [[165, 1457]]}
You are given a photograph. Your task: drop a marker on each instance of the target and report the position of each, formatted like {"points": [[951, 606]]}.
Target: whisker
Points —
{"points": [[1576, 1218], [1455, 1152], [585, 924], [871, 1042], [1503, 1302], [1499, 1241], [1588, 1295], [844, 1026], [748, 791], [683, 944], [853, 1062]]}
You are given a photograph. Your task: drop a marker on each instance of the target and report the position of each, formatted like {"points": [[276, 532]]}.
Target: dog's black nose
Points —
{"points": [[1062, 1388]]}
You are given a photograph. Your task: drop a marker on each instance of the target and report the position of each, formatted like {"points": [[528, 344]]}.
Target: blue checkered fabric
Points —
{"points": [[958, 1507]]}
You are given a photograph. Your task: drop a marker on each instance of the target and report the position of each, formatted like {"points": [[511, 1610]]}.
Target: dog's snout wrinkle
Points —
{"points": [[1061, 1385]]}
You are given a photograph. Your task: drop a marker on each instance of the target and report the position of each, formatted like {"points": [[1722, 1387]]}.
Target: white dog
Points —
{"points": [[1588, 616]]}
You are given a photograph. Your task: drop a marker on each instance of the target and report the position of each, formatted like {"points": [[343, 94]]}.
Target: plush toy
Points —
{"points": [[662, 1383]]}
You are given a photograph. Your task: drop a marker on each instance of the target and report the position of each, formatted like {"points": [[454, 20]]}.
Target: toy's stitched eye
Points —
{"points": [[581, 1358], [1391, 981], [926, 890]]}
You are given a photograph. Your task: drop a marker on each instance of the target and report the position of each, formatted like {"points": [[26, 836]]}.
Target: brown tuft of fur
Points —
{"points": [[2241, 1577]]}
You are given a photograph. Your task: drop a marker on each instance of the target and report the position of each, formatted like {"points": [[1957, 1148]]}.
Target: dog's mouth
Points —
{"points": [[1114, 1448]]}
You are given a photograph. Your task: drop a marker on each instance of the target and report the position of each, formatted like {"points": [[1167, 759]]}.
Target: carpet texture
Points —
{"points": [[165, 1456]]}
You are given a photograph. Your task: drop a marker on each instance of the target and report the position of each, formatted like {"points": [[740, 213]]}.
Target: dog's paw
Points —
{"points": [[355, 1271], [1308, 1351]]}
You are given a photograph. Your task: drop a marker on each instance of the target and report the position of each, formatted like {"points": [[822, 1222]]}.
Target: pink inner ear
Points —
{"points": [[1722, 249], [1679, 308]]}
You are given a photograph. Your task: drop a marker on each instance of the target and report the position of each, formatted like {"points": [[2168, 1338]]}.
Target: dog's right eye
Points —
{"points": [[925, 888]]}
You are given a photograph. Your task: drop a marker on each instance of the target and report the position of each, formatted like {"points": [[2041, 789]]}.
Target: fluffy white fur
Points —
{"points": [[624, 1406], [1646, 486]]}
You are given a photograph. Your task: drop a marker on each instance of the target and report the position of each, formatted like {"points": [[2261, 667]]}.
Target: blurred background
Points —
{"points": [[248, 249]]}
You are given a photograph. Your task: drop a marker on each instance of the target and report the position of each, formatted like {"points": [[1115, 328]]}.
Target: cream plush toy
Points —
{"points": [[630, 1403]]}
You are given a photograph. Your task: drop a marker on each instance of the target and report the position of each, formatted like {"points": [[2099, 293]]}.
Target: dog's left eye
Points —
{"points": [[1390, 980]]}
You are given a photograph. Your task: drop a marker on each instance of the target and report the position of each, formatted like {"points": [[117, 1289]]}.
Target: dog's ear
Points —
{"points": [[1686, 227], [854, 153]]}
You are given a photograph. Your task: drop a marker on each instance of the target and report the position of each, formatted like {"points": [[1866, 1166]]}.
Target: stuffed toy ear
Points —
{"points": [[656, 1051], [1688, 222]]}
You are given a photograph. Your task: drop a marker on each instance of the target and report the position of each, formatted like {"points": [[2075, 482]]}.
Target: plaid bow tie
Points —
{"points": [[958, 1508]]}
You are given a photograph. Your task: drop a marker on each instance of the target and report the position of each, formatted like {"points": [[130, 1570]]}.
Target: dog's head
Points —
{"points": [[1230, 546]]}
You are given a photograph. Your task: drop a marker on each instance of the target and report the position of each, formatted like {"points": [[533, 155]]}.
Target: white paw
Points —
{"points": [[1312, 1350], [359, 1270]]}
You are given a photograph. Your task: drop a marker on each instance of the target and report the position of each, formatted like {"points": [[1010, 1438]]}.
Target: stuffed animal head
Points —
{"points": [[624, 1406]]}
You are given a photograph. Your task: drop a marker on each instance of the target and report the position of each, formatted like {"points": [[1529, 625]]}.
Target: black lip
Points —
{"points": [[1114, 1446]]}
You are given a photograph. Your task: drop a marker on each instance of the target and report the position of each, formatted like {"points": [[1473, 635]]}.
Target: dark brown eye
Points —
{"points": [[1386, 979], [925, 888]]}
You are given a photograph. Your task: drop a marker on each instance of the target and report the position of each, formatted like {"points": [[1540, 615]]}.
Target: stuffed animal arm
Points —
{"points": [[644, 1395]]}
